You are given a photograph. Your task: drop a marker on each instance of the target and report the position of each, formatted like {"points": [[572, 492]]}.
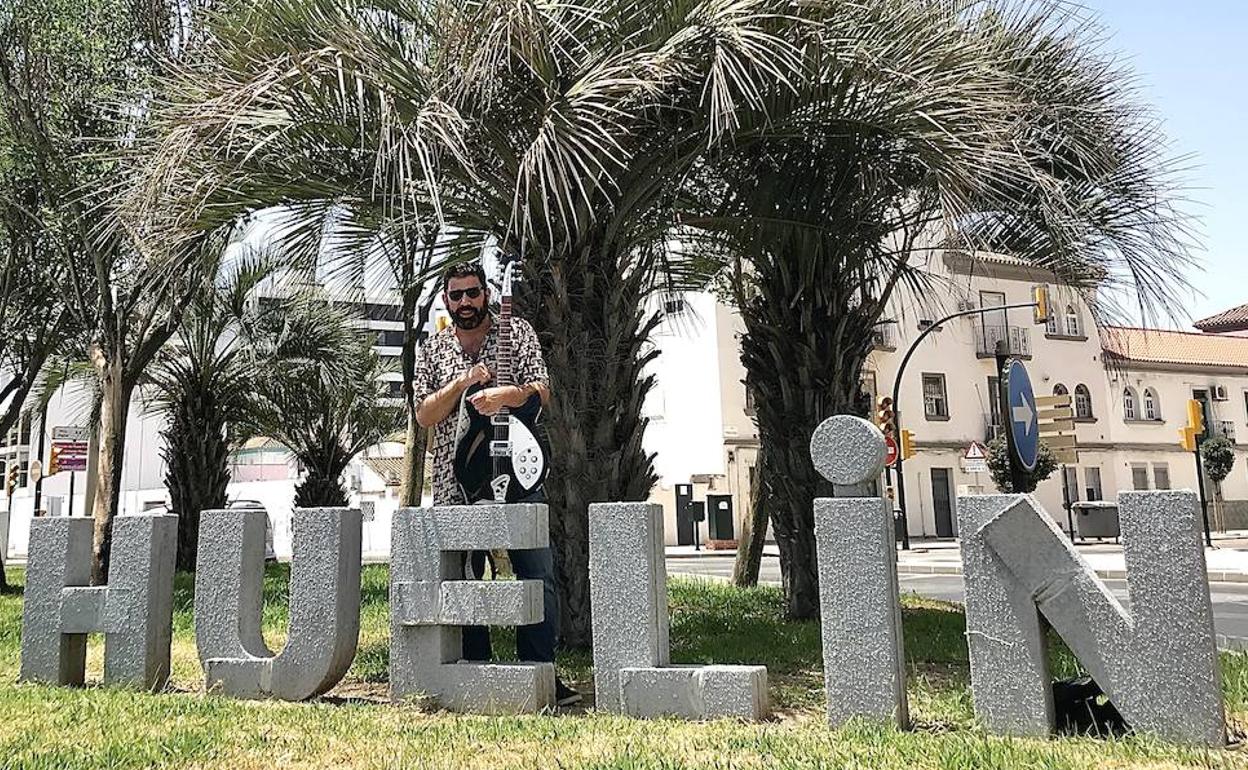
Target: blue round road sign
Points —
{"points": [[1022, 415]]}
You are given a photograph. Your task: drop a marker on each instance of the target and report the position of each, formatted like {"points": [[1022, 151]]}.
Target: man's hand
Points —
{"points": [[479, 373], [490, 400]]}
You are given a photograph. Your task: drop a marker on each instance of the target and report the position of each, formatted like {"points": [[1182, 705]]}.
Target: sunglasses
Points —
{"points": [[457, 294]]}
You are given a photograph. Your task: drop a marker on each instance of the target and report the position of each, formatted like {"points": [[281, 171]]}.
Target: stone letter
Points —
{"points": [[429, 602], [863, 655], [628, 585], [1158, 664], [324, 603], [134, 611]]}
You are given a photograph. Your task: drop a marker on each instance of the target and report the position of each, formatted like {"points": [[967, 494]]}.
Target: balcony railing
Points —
{"points": [[992, 430], [1224, 429], [884, 337], [1017, 340]]}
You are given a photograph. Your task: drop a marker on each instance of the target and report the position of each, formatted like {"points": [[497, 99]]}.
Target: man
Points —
{"points": [[451, 361]]}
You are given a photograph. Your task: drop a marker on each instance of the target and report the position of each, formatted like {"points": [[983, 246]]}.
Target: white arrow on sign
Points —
{"points": [[1025, 415]]}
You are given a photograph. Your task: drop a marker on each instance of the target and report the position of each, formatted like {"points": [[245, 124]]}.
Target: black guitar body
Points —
{"points": [[512, 472]]}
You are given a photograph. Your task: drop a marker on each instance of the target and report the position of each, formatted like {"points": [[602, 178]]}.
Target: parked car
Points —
{"points": [[269, 553]]}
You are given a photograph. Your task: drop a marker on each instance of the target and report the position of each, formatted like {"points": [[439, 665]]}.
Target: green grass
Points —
{"points": [[354, 727]]}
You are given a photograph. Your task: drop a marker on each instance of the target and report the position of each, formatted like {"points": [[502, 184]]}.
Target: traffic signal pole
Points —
{"points": [[1204, 502], [897, 378]]}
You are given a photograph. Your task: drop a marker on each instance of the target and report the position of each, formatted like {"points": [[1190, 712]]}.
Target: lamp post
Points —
{"points": [[901, 476]]}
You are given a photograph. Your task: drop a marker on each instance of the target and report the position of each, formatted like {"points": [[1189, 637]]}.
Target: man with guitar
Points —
{"points": [[464, 357]]}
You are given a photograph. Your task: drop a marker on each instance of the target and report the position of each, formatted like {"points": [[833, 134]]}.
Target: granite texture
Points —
{"points": [[134, 611], [1158, 663], [324, 603], [860, 611], [430, 602], [848, 450], [628, 592]]}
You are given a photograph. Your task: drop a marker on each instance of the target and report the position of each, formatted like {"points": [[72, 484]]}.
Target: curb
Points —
{"points": [[1214, 576]]}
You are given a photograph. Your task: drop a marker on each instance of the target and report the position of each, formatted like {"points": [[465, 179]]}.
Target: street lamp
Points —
{"points": [[1039, 303]]}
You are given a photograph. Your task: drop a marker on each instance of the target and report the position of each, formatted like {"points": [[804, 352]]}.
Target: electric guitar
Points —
{"points": [[503, 458]]}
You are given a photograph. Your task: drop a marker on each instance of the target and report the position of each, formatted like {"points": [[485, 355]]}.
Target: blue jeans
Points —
{"points": [[534, 643]]}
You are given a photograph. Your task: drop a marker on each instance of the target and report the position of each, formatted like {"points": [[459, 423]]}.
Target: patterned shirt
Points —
{"points": [[440, 360]]}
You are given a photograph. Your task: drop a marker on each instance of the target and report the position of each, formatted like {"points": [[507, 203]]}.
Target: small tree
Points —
{"points": [[999, 467], [324, 411], [1218, 457]]}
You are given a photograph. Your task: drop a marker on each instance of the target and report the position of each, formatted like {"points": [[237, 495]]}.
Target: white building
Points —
{"points": [[1129, 386]]}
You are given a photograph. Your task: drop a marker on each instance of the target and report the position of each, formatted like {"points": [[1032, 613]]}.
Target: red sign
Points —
{"points": [[71, 455], [890, 459]]}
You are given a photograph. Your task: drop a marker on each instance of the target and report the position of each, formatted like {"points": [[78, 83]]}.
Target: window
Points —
{"points": [[1060, 390], [1051, 324], [1161, 476], [1070, 484], [1151, 411], [1139, 478], [870, 387], [1092, 482], [749, 398], [1083, 402], [1072, 321], [935, 403], [994, 407], [1129, 410]]}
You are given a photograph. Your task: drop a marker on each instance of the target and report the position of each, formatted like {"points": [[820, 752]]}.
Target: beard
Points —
{"points": [[468, 319]]}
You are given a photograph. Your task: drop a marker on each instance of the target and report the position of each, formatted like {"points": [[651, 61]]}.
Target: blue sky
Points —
{"points": [[1191, 61]]}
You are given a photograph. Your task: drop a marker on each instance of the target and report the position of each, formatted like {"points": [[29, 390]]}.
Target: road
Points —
{"points": [[1230, 600]]}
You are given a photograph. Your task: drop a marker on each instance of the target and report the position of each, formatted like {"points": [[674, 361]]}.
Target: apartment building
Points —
{"points": [[1129, 389]]}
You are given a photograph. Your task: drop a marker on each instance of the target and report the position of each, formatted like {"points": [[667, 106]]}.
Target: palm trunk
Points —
{"points": [[114, 411], [322, 488], [805, 353], [416, 439], [197, 456], [754, 532], [4, 579], [587, 310]]}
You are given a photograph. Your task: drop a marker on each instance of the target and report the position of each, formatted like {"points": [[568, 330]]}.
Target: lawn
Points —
{"points": [[355, 727]]}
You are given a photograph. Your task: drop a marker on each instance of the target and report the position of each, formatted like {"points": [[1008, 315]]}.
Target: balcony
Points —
{"points": [[884, 336], [1017, 340], [1223, 428]]}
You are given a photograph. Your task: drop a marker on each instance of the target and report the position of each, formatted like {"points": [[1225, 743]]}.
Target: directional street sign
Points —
{"points": [[1024, 426], [69, 447], [1057, 427]]}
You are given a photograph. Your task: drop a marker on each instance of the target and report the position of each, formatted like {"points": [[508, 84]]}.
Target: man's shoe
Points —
{"points": [[564, 695]]}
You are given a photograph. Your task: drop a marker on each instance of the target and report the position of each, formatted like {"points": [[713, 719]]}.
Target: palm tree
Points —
{"points": [[325, 410], [205, 379], [919, 127], [561, 131]]}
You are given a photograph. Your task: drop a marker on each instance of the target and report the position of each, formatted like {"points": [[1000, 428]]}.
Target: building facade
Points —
{"points": [[1129, 391]]}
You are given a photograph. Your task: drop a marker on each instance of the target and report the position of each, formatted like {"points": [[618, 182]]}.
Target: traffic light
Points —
{"points": [[1196, 416], [885, 416], [1189, 436], [1040, 296], [54, 461], [14, 473], [905, 447]]}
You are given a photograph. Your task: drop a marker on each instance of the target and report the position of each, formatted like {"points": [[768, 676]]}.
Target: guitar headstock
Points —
{"points": [[509, 262]]}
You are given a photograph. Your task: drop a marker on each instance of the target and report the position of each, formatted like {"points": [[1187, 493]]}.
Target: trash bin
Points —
{"points": [[1096, 518]]}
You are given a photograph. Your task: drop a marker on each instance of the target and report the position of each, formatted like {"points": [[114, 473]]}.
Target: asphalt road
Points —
{"points": [[1230, 600]]}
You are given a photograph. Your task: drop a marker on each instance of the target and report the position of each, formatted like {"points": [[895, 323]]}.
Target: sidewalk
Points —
{"points": [[1226, 562]]}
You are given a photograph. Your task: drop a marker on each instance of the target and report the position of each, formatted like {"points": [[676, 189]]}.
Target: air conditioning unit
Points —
{"points": [[1217, 392]]}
